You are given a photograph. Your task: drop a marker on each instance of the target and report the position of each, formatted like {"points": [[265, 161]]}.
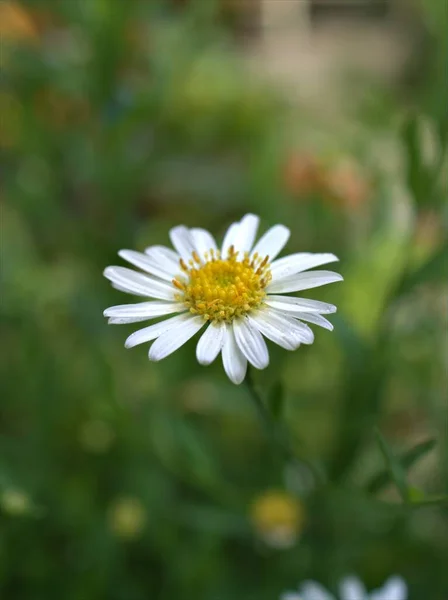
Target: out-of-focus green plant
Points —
{"points": [[123, 480]]}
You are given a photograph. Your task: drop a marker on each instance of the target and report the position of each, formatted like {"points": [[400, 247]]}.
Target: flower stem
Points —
{"points": [[278, 436]]}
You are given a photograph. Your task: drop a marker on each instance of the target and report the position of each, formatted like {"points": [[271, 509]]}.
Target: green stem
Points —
{"points": [[278, 437]]}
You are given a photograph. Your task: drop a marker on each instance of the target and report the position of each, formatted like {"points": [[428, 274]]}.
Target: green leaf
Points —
{"points": [[397, 473], [276, 400], [413, 159], [441, 501], [434, 269], [406, 460], [421, 178]]}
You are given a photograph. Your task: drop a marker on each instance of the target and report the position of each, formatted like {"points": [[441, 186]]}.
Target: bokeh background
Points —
{"points": [[122, 479]]}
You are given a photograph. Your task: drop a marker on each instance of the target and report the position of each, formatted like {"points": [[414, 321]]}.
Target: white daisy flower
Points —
{"points": [[235, 292], [351, 588]]}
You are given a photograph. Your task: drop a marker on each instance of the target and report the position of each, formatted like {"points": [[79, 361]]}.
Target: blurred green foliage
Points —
{"points": [[125, 480]]}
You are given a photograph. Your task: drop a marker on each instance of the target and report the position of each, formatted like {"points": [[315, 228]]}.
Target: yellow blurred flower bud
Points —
{"points": [[15, 502], [127, 517], [278, 518]]}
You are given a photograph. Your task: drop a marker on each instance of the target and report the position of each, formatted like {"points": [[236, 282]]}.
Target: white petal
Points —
{"points": [[165, 254], [159, 267], [394, 589], [303, 281], [152, 331], [294, 305], [251, 343], [296, 263], [146, 310], [246, 233], [125, 320], [230, 239], [171, 340], [291, 596], [125, 289], [137, 283], [314, 591], [272, 242], [183, 242], [234, 362], [352, 589], [316, 320], [203, 241], [273, 330], [302, 331], [210, 343], [289, 326]]}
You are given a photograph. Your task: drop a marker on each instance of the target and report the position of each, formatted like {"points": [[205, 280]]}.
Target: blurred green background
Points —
{"points": [[122, 479]]}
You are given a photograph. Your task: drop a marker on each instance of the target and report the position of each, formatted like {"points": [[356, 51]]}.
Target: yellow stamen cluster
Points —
{"points": [[221, 289]]}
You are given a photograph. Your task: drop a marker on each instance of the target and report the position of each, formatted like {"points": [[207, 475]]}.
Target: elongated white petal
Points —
{"points": [[134, 282], [169, 341], [230, 239], [234, 362], [272, 242], [273, 330], [352, 589], [292, 329], [291, 596], [394, 589], [160, 267], [122, 288], [294, 305], [303, 281], [210, 343], [296, 263], [146, 310], [314, 591], [182, 240], [203, 241], [153, 331], [166, 254], [316, 319], [125, 320], [251, 343], [246, 233], [303, 332]]}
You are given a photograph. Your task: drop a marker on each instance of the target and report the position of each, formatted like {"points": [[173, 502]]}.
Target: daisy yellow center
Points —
{"points": [[221, 289]]}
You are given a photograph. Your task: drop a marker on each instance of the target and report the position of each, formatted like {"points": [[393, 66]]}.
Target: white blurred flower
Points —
{"points": [[351, 588], [233, 290]]}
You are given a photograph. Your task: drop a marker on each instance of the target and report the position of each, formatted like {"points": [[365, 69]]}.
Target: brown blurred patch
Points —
{"points": [[17, 24], [346, 186], [60, 110], [340, 183], [303, 174]]}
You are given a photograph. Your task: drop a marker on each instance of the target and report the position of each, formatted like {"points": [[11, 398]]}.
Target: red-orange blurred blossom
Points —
{"points": [[341, 183]]}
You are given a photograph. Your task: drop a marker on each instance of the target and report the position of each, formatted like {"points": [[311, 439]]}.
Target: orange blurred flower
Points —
{"points": [[303, 174], [346, 186], [340, 183], [16, 24]]}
